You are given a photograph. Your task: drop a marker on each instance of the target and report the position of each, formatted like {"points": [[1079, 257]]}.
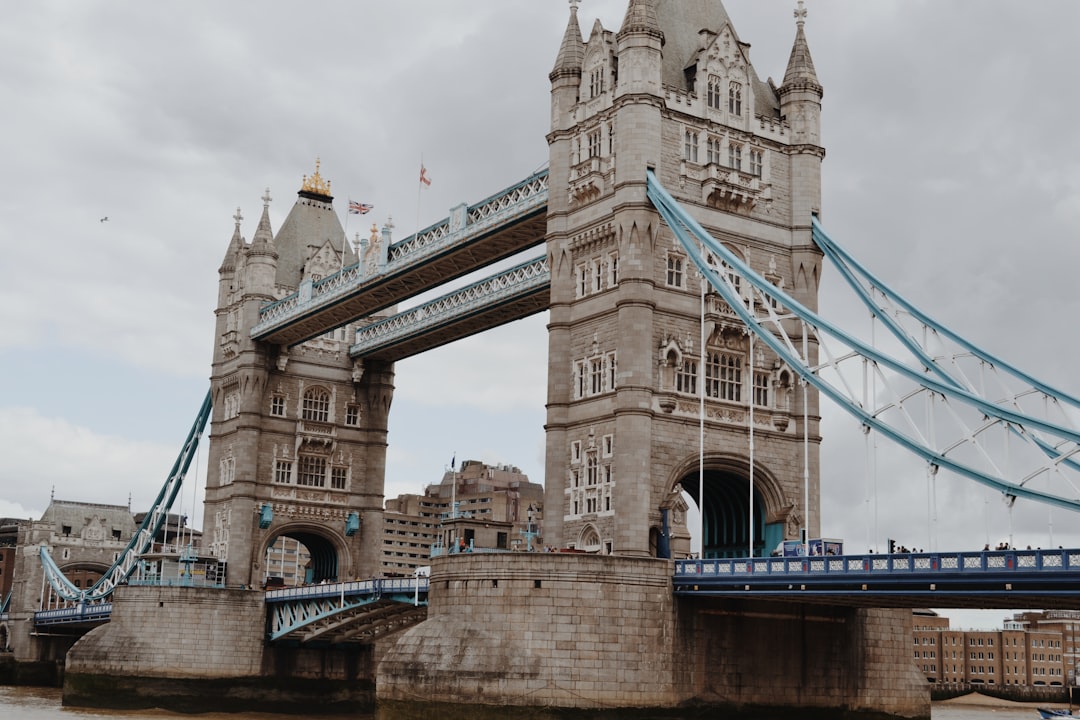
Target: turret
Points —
{"points": [[566, 75], [261, 256], [227, 282], [640, 43], [801, 93]]}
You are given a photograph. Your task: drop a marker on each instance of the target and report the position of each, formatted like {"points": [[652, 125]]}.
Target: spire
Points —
{"points": [[572, 52], [800, 69], [236, 244], [641, 18], [263, 241]]}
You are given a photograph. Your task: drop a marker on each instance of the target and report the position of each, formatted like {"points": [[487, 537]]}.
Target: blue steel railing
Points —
{"points": [[526, 197], [973, 563], [293, 609], [378, 587], [83, 612]]}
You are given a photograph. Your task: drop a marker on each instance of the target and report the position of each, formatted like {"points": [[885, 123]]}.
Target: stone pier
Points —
{"points": [[572, 631]]}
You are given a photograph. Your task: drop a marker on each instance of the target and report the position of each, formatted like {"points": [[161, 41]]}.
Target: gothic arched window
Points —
{"points": [[316, 405]]}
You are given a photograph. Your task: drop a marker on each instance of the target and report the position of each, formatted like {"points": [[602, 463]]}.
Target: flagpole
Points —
{"points": [[419, 189], [345, 233]]}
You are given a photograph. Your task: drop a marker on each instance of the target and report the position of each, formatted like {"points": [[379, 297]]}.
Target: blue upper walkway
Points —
{"points": [[471, 238]]}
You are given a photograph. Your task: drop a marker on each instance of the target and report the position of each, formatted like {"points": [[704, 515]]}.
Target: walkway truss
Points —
{"points": [[924, 387], [351, 612], [143, 538]]}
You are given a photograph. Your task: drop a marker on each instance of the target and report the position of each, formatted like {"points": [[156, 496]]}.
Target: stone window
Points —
{"points": [[596, 82], [583, 281], [232, 403], [757, 162], [592, 476], [575, 451], [674, 270], [598, 276], [690, 146], [712, 150], [596, 376], [317, 405], [611, 371], [761, 389], [715, 98], [613, 270], [607, 444], [277, 405], [580, 386], [338, 478], [735, 98], [735, 156], [686, 377], [312, 471], [352, 415], [723, 376], [594, 143], [283, 472]]}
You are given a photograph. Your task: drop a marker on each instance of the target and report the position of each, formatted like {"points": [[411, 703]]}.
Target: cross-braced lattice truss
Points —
{"points": [[357, 612], [922, 397], [472, 237], [511, 295]]}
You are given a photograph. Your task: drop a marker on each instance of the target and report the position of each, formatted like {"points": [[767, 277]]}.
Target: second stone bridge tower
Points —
{"points": [[674, 90]]}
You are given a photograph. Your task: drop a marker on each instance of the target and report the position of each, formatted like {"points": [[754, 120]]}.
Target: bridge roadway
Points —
{"points": [[364, 610], [471, 238], [1041, 579]]}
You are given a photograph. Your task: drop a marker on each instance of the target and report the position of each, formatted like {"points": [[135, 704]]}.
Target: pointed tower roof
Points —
{"points": [[310, 225], [236, 246], [641, 17], [572, 51], [682, 22], [263, 241], [800, 68]]}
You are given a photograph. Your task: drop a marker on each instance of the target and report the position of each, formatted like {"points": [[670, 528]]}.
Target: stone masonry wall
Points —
{"points": [[176, 633], [774, 655], [539, 629]]}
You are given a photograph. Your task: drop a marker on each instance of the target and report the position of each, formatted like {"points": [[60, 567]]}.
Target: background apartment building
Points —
{"points": [[476, 506], [1034, 648]]}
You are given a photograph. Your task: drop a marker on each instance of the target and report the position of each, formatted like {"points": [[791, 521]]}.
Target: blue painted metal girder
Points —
{"points": [[770, 329], [128, 560]]}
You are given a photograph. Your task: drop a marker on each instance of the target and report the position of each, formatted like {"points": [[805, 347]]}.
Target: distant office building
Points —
{"points": [[1032, 649], [479, 507], [288, 563]]}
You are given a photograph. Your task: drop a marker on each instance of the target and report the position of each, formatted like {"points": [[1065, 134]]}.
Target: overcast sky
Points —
{"points": [[952, 170]]}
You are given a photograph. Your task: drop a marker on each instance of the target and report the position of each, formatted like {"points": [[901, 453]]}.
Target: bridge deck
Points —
{"points": [[498, 228], [1045, 579]]}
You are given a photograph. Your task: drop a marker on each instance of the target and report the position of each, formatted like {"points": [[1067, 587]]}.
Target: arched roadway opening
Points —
{"points": [[303, 555], [726, 509]]}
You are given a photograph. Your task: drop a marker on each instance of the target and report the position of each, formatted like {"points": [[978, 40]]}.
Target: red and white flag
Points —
{"points": [[424, 179]]}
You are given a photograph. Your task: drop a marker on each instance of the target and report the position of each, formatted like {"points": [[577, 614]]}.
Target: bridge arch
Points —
{"points": [[726, 506], [321, 554], [5, 638]]}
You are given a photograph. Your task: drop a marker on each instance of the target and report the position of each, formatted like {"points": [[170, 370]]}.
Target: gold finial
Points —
{"points": [[316, 184], [374, 231]]}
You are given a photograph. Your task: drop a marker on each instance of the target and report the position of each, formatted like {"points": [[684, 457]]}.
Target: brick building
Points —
{"points": [[1034, 648]]}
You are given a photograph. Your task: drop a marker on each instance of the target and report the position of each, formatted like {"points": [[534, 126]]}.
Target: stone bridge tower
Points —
{"points": [[298, 435], [674, 90]]}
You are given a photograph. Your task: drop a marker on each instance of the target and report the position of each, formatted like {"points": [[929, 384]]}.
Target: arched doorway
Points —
{"points": [[726, 514], [300, 556]]}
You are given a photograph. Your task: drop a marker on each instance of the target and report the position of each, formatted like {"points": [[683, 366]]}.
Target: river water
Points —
{"points": [[33, 703]]}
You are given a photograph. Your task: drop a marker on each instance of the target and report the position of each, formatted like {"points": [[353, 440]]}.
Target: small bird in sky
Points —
{"points": [[104, 219]]}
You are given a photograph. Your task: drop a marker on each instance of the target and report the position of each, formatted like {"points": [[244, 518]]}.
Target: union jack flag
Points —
{"points": [[359, 208]]}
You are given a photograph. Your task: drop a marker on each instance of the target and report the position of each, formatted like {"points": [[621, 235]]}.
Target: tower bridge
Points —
{"points": [[684, 245]]}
